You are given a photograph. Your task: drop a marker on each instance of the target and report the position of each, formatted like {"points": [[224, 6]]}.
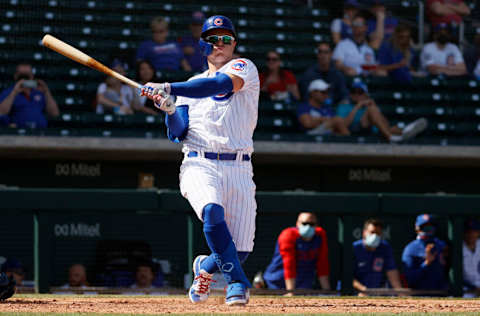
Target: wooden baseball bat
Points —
{"points": [[82, 58]]}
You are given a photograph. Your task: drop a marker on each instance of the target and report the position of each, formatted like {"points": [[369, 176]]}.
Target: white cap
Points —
{"points": [[318, 85]]}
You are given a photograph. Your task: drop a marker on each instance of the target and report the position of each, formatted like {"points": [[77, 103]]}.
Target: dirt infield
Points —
{"points": [[258, 305]]}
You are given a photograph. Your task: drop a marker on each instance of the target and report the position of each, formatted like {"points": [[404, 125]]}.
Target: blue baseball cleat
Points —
{"points": [[237, 294], [200, 289]]}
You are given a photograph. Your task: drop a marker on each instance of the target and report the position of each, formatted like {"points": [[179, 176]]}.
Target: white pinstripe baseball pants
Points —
{"points": [[226, 183]]}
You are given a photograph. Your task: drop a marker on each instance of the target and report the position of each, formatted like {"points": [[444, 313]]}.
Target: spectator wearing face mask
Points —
{"points": [[373, 259], [301, 256], [442, 57], [425, 258]]}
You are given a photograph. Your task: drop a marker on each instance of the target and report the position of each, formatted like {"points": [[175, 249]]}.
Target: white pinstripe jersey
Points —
{"points": [[224, 123]]}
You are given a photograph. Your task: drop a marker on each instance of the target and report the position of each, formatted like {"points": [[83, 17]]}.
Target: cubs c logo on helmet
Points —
{"points": [[214, 22]]}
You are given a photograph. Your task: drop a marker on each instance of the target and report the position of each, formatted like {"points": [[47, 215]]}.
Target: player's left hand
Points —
{"points": [[150, 89], [163, 102], [42, 86]]}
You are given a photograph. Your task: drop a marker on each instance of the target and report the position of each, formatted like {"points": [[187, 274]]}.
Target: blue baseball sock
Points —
{"points": [[220, 242], [209, 264]]}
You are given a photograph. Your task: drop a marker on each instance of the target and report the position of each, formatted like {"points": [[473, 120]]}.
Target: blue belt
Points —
{"points": [[219, 156]]}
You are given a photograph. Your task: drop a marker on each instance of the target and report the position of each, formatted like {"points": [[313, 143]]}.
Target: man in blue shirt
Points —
{"points": [[163, 54], [425, 258], [301, 256], [190, 45], [317, 115], [27, 100], [324, 69], [373, 259]]}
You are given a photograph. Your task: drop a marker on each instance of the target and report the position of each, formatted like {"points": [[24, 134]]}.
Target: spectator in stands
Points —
{"points": [[475, 16], [317, 115], [145, 73], [472, 57], [373, 259], [163, 54], [14, 268], [300, 256], [77, 276], [113, 96], [396, 55], [361, 114], [190, 46], [425, 258], [441, 57], [28, 100], [341, 28], [278, 83], [144, 277], [446, 12], [325, 69], [471, 257], [381, 26], [354, 56]]}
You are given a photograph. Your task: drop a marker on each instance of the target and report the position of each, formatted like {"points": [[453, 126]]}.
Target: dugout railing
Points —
{"points": [[347, 210]]}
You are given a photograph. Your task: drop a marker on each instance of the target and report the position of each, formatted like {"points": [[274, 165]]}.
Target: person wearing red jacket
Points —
{"points": [[300, 256]]}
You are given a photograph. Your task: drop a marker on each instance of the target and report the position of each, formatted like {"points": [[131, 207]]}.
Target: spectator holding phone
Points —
{"points": [[28, 100], [425, 258]]}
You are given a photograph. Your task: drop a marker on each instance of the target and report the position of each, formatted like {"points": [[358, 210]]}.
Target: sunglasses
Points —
{"points": [[273, 59], [309, 223], [226, 39]]}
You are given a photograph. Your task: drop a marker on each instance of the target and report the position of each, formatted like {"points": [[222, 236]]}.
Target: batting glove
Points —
{"points": [[150, 89], [163, 102]]}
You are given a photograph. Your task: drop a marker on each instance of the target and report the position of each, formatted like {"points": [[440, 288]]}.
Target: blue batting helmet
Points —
{"points": [[215, 22]]}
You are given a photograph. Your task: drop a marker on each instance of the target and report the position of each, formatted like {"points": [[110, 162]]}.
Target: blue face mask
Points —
{"points": [[426, 232], [306, 231], [372, 241]]}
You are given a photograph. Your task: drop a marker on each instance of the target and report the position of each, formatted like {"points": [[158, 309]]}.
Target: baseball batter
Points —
{"points": [[215, 116]]}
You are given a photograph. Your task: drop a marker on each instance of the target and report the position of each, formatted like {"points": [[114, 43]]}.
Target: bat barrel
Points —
{"points": [[71, 52]]}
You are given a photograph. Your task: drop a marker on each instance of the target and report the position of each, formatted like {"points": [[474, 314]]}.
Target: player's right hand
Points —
{"points": [[18, 86], [151, 89], [430, 253], [163, 102]]}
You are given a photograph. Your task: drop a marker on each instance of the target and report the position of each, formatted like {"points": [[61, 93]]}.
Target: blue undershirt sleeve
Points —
{"points": [[413, 272], [202, 87], [177, 124]]}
